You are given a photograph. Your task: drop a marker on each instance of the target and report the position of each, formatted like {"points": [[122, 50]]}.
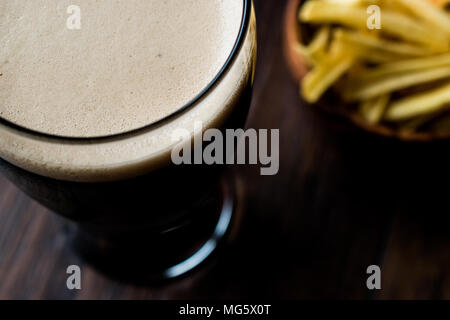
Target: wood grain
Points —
{"points": [[342, 200]]}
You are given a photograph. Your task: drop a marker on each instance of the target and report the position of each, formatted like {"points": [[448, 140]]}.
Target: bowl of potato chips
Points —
{"points": [[383, 64]]}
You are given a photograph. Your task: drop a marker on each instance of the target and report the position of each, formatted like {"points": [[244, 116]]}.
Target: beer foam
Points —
{"points": [[125, 156], [131, 63]]}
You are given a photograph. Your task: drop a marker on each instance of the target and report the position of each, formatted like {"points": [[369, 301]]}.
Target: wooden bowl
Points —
{"points": [[298, 67]]}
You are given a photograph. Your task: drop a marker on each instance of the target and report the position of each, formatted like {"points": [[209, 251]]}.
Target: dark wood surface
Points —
{"points": [[343, 200]]}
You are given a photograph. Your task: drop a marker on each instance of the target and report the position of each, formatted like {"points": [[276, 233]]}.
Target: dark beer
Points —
{"points": [[137, 212]]}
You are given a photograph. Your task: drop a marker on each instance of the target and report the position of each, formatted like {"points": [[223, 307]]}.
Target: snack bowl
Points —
{"points": [[331, 103]]}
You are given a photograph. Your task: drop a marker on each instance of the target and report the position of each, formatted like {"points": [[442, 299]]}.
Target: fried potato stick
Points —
{"points": [[394, 23], [419, 104]]}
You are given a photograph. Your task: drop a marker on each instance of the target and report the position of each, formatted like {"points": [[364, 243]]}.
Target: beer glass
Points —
{"points": [[141, 217]]}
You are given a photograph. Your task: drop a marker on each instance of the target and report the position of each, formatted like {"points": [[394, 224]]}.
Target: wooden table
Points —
{"points": [[343, 200]]}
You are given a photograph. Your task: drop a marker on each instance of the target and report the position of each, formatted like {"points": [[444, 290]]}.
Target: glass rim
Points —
{"points": [[245, 22]]}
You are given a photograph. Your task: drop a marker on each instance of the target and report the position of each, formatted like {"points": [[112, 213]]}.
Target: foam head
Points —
{"points": [[131, 63]]}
